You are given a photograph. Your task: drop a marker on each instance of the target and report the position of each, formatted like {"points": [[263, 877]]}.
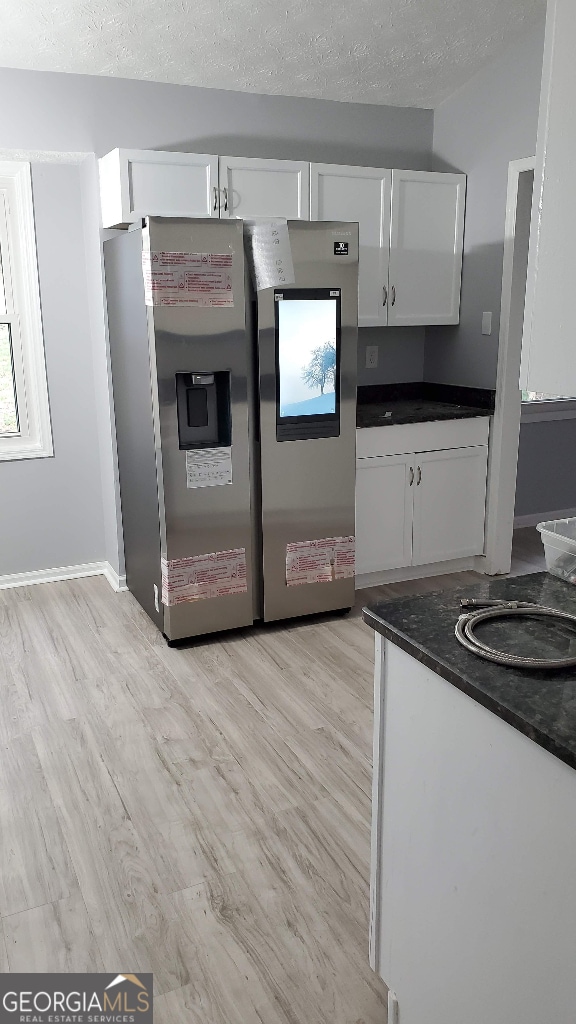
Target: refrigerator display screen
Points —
{"points": [[308, 342]]}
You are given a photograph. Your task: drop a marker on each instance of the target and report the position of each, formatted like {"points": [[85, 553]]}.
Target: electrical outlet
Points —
{"points": [[486, 323], [371, 357], [393, 1015]]}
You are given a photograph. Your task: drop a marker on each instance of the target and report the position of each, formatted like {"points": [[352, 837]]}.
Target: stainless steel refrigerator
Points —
{"points": [[235, 421]]}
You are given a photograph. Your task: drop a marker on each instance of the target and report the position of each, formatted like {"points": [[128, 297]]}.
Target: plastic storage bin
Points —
{"points": [[559, 540]]}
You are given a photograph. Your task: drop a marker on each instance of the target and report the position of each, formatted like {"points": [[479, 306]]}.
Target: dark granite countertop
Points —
{"points": [[381, 405], [541, 704]]}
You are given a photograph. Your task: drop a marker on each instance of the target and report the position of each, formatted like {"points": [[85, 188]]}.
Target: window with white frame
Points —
{"points": [[25, 430], [539, 406]]}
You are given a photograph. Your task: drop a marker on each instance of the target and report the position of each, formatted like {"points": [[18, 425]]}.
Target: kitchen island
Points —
{"points": [[473, 888]]}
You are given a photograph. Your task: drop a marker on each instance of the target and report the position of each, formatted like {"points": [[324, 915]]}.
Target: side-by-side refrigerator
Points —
{"points": [[235, 419]]}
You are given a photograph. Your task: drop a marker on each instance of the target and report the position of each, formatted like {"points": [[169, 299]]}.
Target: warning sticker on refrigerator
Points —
{"points": [[269, 253], [320, 561], [208, 467], [203, 576], [187, 278]]}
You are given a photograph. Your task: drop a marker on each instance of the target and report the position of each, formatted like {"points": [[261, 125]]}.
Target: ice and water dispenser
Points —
{"points": [[203, 404]]}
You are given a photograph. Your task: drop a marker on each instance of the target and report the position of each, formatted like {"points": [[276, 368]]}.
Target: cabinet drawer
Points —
{"points": [[421, 437]]}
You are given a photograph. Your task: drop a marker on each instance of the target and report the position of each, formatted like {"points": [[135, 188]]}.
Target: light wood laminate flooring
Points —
{"points": [[201, 812]]}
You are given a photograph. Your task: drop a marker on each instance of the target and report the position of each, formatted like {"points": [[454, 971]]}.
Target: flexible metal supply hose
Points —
{"points": [[484, 610]]}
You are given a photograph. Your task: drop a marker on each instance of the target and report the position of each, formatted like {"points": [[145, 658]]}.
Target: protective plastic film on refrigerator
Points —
{"points": [[235, 418]]}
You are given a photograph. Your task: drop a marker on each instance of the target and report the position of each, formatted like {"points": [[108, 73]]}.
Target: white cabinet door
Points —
{"points": [[427, 224], [384, 488], [449, 504], [138, 183], [252, 188], [362, 195]]}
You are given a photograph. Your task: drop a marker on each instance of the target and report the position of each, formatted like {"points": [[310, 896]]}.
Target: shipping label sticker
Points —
{"points": [[187, 278], [320, 561], [208, 467], [269, 253], [203, 576]]}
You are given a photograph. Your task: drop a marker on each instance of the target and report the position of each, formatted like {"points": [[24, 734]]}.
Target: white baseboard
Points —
{"points": [[67, 572], [420, 572], [543, 517], [118, 583]]}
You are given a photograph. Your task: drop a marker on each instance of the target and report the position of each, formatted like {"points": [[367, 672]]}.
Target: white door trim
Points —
{"points": [[501, 491]]}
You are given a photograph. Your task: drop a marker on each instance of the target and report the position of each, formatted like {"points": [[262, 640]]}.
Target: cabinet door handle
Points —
{"points": [[419, 477], [215, 190], [384, 295], [225, 200], [411, 475], [393, 294]]}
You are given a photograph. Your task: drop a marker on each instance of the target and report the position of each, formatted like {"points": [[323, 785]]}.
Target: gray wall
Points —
{"points": [[400, 354], [89, 113], [51, 509], [546, 480], [491, 120], [60, 511]]}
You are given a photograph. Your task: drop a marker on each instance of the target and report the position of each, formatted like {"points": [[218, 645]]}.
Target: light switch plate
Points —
{"points": [[486, 323], [371, 357]]}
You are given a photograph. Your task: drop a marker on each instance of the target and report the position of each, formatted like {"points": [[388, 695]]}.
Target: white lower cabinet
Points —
{"points": [[383, 513], [419, 508], [449, 504]]}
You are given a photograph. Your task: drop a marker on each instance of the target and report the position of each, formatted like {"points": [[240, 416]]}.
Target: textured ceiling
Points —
{"points": [[404, 52]]}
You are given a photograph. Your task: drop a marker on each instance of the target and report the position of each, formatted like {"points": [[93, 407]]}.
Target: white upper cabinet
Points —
{"points": [[411, 226], [136, 183], [252, 188], [426, 232], [411, 222], [139, 183], [362, 195]]}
